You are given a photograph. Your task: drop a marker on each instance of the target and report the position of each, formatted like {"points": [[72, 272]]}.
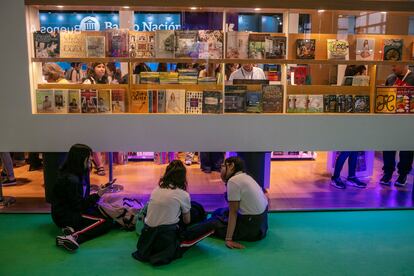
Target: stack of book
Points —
{"points": [[207, 80], [168, 78], [187, 76], [149, 77]]}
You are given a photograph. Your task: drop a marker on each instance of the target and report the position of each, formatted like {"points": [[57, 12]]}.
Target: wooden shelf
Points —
{"points": [[81, 86], [196, 87], [327, 89]]}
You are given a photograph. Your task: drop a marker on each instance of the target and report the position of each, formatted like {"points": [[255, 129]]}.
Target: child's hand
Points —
{"points": [[234, 245]]}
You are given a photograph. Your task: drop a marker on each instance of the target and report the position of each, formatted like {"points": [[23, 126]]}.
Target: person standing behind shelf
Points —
{"points": [[248, 72], [53, 73], [401, 76], [114, 74], [75, 74], [7, 173]]}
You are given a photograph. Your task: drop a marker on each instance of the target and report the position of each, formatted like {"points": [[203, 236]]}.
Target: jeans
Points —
{"points": [[7, 164], [340, 161], [404, 166]]}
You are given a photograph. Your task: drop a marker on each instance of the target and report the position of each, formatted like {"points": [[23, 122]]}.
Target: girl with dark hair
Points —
{"points": [[74, 209], [97, 74]]}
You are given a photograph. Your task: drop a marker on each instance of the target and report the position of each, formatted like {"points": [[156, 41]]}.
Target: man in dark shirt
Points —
{"points": [[401, 76]]}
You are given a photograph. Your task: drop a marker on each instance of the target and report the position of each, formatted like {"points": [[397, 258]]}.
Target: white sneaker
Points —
{"points": [[68, 242]]}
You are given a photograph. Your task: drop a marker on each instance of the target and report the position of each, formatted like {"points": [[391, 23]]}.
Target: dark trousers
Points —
{"points": [[404, 165], [255, 163], [340, 161], [211, 161], [34, 160]]}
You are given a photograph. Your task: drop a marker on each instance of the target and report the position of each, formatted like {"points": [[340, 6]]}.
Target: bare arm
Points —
{"points": [[233, 208], [187, 218]]}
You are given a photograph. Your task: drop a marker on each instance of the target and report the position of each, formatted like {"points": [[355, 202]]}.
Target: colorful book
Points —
{"points": [[117, 43], [104, 101], [141, 44], [61, 101], [291, 105], [194, 102], [72, 44], [315, 103], [161, 101], [330, 103], [300, 74], [402, 100], [393, 49], [275, 47], [175, 101], [74, 101], [305, 48], [212, 102], [164, 44], [118, 101], [385, 100], [301, 103], [349, 103], [365, 49], [338, 49], [95, 46], [153, 101], [210, 44], [45, 101], [46, 45], [340, 103], [89, 100], [254, 101], [272, 98], [235, 99], [361, 104], [186, 44], [237, 45], [139, 101], [412, 101], [257, 46]]}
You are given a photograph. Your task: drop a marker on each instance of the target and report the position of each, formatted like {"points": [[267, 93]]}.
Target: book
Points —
{"points": [[161, 101], [95, 46], [118, 101], [360, 80], [74, 101], [300, 74], [212, 102], [45, 101], [237, 45], [164, 43], [117, 43], [365, 49], [89, 99], [305, 48], [402, 100], [315, 103], [291, 105], [210, 44], [412, 101], [104, 101], [46, 45], [141, 44], [235, 98], [275, 47], [349, 103], [139, 101], [393, 49], [254, 101], [301, 103], [329, 103], [272, 98], [194, 102], [150, 100], [361, 104], [175, 101], [385, 99], [257, 46], [61, 101], [186, 44], [338, 49], [340, 103], [72, 44]]}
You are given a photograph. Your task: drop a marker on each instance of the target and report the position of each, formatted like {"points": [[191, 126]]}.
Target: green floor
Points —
{"points": [[298, 243]]}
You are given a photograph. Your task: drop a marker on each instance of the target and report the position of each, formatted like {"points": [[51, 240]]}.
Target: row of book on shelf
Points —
{"points": [[183, 76], [203, 44], [328, 103], [394, 99]]}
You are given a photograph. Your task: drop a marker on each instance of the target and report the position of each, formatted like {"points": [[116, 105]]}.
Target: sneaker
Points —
{"points": [[401, 181], [188, 162], [338, 183], [353, 181], [68, 230], [68, 242], [386, 180], [8, 182]]}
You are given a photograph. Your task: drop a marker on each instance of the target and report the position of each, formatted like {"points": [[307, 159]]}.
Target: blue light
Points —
{"points": [[79, 17], [60, 17], [168, 18], [43, 17], [115, 17]]}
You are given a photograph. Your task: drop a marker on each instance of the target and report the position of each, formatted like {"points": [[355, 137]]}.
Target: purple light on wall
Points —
{"points": [[202, 21]]}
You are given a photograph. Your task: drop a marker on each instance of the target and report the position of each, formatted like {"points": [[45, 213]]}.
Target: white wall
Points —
{"points": [[22, 131]]}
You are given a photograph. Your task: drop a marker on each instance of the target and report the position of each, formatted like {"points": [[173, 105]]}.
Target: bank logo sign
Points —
{"points": [[90, 23]]}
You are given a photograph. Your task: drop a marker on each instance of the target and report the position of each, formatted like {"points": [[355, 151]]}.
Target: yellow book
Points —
{"points": [[72, 45], [385, 100], [139, 101]]}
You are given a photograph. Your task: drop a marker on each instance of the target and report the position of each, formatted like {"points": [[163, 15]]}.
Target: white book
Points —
{"points": [[175, 101], [365, 49]]}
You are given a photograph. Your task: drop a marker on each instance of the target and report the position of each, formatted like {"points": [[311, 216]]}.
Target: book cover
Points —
{"points": [[254, 101], [164, 44], [315, 103], [257, 46], [194, 102], [210, 44], [365, 49], [300, 74], [412, 100], [275, 47], [349, 103], [393, 49], [46, 45], [330, 103], [139, 101], [212, 102], [45, 101], [237, 45], [89, 100], [150, 99], [95, 46], [301, 103], [360, 81], [340, 103], [272, 98], [141, 44], [74, 101], [175, 101], [338, 49], [305, 48], [235, 99], [291, 105], [61, 101], [402, 100], [153, 101], [385, 100], [361, 104], [118, 101], [72, 44], [161, 101], [117, 43], [186, 44], [104, 101]]}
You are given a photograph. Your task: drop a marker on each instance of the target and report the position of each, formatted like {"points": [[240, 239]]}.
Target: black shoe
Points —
{"points": [[68, 230], [353, 181], [338, 183], [386, 180], [401, 181], [8, 182], [68, 242]]}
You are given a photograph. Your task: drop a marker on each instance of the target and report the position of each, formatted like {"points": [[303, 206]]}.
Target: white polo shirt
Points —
{"points": [[241, 74], [166, 205], [242, 187]]}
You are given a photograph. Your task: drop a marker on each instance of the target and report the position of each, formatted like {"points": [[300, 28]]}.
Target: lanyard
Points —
{"points": [[402, 80], [244, 76]]}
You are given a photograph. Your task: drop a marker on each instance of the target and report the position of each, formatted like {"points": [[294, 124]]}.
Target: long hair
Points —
{"points": [[175, 176], [75, 161], [238, 165], [92, 75]]}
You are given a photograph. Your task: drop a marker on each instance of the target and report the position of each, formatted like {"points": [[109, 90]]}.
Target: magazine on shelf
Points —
{"points": [[89, 99], [340, 103], [291, 104], [139, 101], [237, 45], [361, 104], [186, 44], [301, 103], [72, 44], [164, 43], [272, 98], [385, 99], [305, 48], [74, 102], [210, 44], [46, 45], [349, 103], [254, 101], [61, 101], [402, 100], [315, 103], [45, 101], [338, 49], [330, 103], [175, 101], [257, 46], [118, 101], [212, 102], [275, 47], [104, 101], [117, 43], [235, 98], [194, 102], [95, 46], [141, 44], [393, 49], [365, 49], [300, 75]]}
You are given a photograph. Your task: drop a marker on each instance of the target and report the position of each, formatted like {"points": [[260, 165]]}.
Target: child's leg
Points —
{"points": [[340, 161], [352, 163]]}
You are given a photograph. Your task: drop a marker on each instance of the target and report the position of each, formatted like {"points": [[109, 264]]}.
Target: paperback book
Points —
{"points": [[118, 101], [117, 43], [272, 98], [104, 101], [393, 49], [361, 104], [194, 102], [235, 98], [89, 101], [175, 101], [61, 101], [74, 101], [305, 48], [338, 49], [46, 45], [186, 44], [164, 44], [275, 47], [141, 44], [315, 103], [45, 101], [237, 45], [330, 103], [253, 101], [365, 49], [210, 44], [212, 102], [402, 100], [257, 46], [161, 101], [385, 100], [95, 46], [72, 44], [139, 101]]}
